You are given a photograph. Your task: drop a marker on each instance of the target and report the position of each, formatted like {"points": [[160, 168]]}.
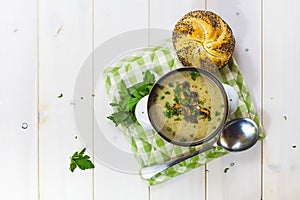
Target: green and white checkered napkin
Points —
{"points": [[147, 146]]}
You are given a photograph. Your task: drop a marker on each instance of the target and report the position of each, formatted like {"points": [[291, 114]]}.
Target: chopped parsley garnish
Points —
{"points": [[202, 102], [186, 104], [171, 111], [155, 96], [169, 129], [161, 87], [194, 75], [217, 113]]}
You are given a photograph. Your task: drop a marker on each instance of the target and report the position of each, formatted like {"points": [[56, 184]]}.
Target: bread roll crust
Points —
{"points": [[203, 39]]}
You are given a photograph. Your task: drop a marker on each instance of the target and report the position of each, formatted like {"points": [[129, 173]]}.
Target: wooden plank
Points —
{"points": [[190, 185], [164, 15], [242, 179], [114, 177], [65, 42], [115, 17], [281, 94], [18, 100]]}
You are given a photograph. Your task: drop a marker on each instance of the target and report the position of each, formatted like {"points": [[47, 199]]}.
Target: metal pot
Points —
{"points": [[153, 115]]}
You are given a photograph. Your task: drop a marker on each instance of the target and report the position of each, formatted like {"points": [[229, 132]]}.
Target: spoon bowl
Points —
{"points": [[237, 135]]}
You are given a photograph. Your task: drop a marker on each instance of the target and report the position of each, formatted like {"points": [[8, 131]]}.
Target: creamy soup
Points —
{"points": [[186, 106]]}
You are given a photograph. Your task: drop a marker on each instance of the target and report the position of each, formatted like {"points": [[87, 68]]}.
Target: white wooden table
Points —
{"points": [[43, 44]]}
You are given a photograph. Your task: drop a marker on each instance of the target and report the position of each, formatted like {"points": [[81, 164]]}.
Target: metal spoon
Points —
{"points": [[238, 135]]}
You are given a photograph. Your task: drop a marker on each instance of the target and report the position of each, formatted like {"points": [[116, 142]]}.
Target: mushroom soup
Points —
{"points": [[186, 106]]}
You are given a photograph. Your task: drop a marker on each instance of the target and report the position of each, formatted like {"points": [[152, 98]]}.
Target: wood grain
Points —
{"points": [[65, 42], [242, 179], [281, 81], [18, 100]]}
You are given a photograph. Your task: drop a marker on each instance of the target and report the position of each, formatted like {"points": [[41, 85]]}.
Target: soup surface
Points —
{"points": [[186, 106]]}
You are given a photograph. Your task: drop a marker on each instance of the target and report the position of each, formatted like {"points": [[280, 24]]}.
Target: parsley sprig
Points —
{"points": [[129, 97]]}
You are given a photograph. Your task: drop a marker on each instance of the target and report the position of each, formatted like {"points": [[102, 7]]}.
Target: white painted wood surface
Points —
{"points": [[43, 46], [65, 40], [281, 93], [18, 100]]}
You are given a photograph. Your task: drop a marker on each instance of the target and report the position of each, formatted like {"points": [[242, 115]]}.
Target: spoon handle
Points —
{"points": [[152, 170]]}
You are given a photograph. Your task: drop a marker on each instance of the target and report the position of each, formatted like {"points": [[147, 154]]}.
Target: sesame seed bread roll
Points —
{"points": [[202, 39]]}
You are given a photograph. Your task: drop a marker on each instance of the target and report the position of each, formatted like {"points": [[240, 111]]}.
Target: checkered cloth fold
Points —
{"points": [[147, 146]]}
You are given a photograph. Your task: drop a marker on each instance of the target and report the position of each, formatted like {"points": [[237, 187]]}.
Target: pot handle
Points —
{"points": [[141, 113], [233, 98]]}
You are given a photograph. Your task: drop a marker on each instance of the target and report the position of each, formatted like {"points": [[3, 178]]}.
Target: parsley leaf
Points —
{"points": [[118, 117], [149, 78], [81, 161]]}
